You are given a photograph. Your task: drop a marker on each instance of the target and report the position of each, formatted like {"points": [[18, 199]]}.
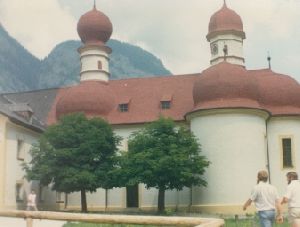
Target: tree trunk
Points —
{"points": [[106, 199], [83, 201], [161, 200]]}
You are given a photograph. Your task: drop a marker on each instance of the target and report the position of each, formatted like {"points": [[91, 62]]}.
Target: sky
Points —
{"points": [[173, 30]]}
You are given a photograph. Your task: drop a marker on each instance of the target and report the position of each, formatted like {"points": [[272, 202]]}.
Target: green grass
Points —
{"points": [[70, 224], [249, 223], [253, 222]]}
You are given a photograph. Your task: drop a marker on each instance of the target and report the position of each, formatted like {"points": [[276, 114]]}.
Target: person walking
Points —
{"points": [[31, 201], [266, 199], [292, 197]]}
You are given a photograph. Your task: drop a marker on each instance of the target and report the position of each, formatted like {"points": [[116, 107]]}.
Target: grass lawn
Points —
{"points": [[103, 225], [248, 223], [229, 223]]}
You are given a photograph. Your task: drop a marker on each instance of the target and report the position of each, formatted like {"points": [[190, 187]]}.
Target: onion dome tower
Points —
{"points": [[93, 96], [94, 29], [226, 36]]}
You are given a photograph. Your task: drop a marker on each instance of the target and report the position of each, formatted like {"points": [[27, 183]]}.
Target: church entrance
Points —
{"points": [[132, 196]]}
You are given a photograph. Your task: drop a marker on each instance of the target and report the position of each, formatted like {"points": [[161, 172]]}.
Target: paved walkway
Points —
{"points": [[19, 222]]}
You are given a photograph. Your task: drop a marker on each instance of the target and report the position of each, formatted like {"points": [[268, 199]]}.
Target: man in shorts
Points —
{"points": [[292, 197]]}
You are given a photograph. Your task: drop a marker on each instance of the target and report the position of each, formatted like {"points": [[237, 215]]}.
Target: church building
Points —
{"points": [[245, 120]]}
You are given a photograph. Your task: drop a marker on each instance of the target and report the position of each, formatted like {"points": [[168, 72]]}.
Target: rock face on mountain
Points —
{"points": [[62, 66], [21, 71], [17, 66]]}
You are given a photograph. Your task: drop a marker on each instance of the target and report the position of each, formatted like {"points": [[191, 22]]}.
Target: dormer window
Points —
{"points": [[22, 109], [165, 105], [124, 104], [123, 107], [165, 102]]}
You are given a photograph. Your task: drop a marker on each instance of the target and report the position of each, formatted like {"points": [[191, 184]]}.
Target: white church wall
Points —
{"points": [[235, 48], [278, 128], [173, 198], [3, 121], [89, 65], [116, 198], [16, 139], [19, 141], [91, 57], [235, 144], [97, 200]]}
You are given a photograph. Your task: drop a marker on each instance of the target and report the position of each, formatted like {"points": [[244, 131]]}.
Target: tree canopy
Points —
{"points": [[76, 154], [165, 156]]}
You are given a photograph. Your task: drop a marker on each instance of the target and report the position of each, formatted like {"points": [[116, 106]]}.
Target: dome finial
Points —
{"points": [[225, 3], [95, 4], [269, 60]]}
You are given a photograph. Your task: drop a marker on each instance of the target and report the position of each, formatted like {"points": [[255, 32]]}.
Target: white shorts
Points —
{"points": [[294, 213]]}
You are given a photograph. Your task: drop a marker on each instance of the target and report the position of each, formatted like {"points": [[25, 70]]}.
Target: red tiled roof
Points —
{"points": [[221, 86], [279, 94], [227, 85], [145, 95]]}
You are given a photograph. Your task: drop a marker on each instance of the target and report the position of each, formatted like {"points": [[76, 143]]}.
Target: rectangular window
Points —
{"points": [[20, 150], [41, 193], [287, 154], [59, 197], [123, 107], [19, 192], [165, 105], [99, 65]]}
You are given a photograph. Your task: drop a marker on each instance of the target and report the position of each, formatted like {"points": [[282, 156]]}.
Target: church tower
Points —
{"points": [[226, 36], [94, 29], [92, 96]]}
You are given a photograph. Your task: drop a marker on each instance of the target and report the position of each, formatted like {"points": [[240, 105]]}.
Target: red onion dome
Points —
{"points": [[93, 98], [278, 90], [225, 85], [94, 27], [225, 20]]}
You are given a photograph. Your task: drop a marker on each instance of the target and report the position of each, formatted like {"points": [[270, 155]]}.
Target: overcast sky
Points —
{"points": [[173, 30]]}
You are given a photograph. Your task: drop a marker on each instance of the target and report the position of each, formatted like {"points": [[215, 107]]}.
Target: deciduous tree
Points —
{"points": [[76, 154], [165, 156]]}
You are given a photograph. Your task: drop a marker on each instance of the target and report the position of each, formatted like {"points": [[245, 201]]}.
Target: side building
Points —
{"points": [[19, 130]]}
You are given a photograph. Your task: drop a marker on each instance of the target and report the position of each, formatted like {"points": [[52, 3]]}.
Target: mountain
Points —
{"points": [[21, 71], [17, 66], [62, 66]]}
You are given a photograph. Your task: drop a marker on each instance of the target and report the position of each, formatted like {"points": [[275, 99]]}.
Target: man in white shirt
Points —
{"points": [[31, 201], [266, 199], [292, 197]]}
